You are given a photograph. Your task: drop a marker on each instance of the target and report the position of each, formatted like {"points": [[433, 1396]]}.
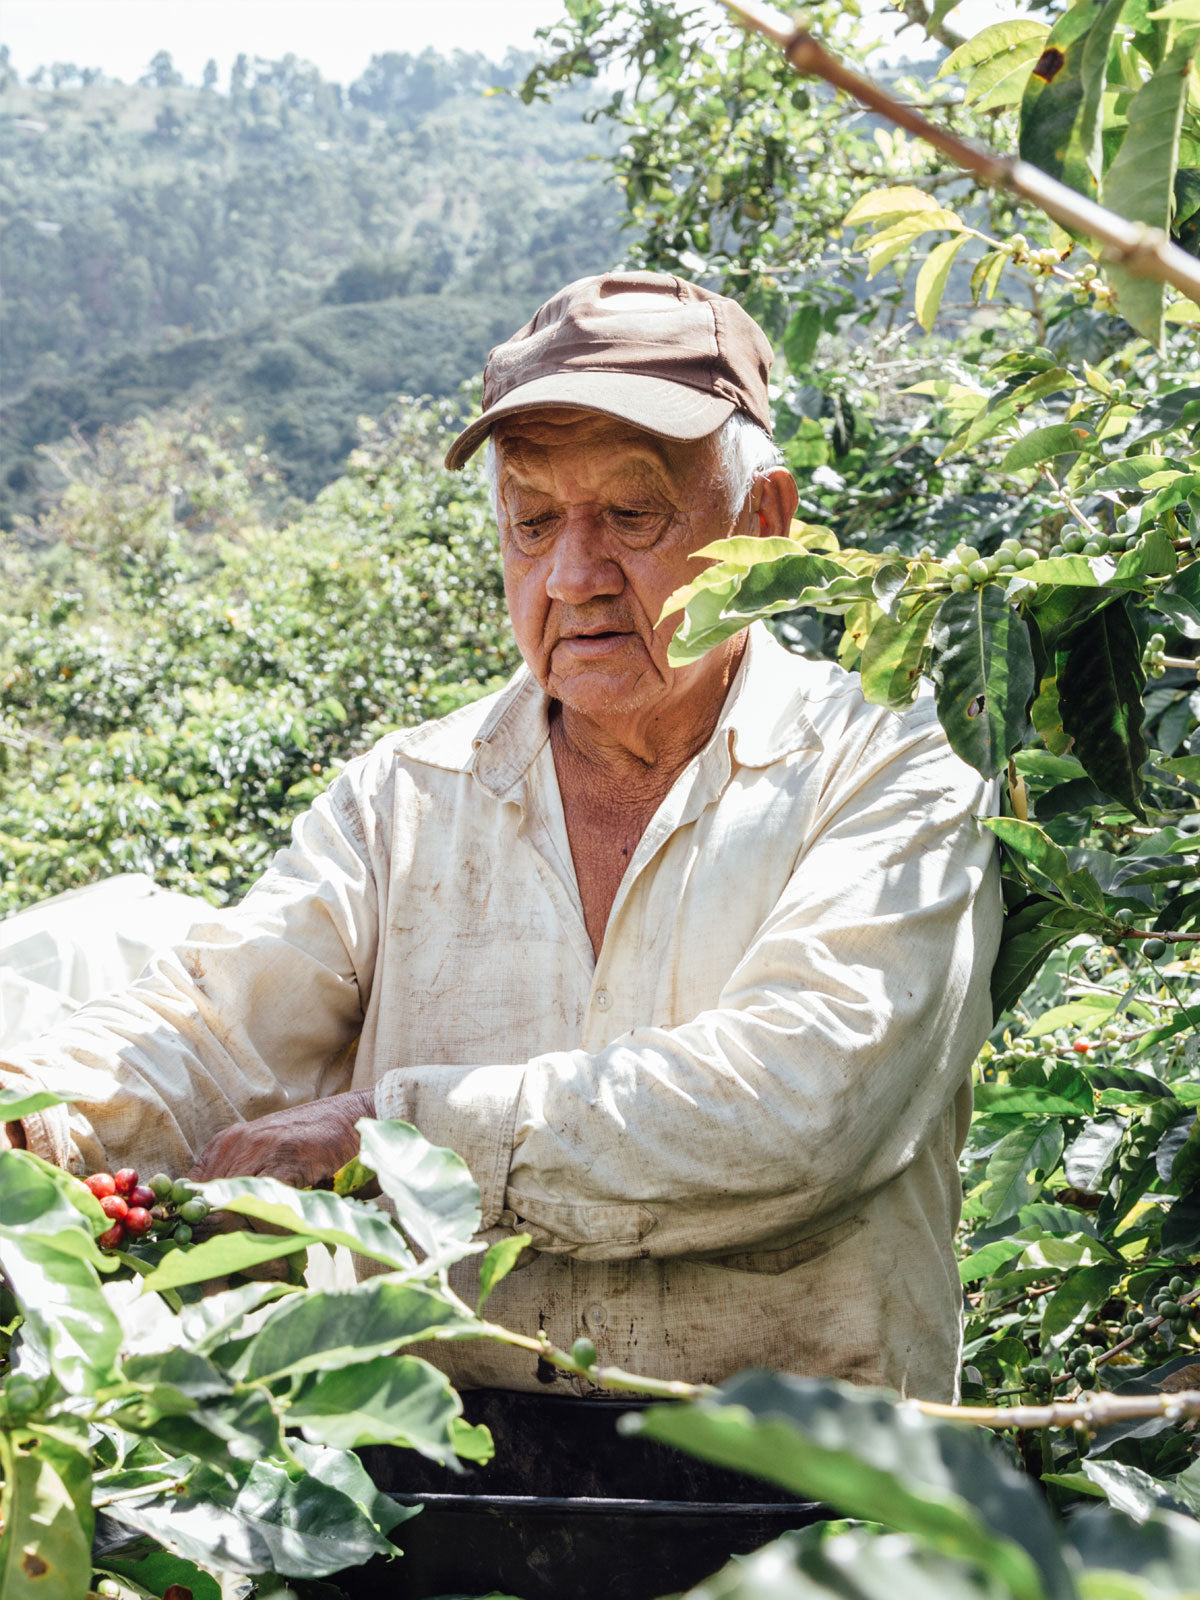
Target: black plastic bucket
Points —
{"points": [[568, 1510]]}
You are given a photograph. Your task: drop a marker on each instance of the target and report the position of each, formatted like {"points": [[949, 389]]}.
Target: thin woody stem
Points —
{"points": [[1144, 252], [1097, 1411]]}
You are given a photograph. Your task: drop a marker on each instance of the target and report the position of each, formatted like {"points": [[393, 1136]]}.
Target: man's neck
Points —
{"points": [[639, 756]]}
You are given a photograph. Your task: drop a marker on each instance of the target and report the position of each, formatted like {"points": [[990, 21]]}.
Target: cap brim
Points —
{"points": [[671, 410]]}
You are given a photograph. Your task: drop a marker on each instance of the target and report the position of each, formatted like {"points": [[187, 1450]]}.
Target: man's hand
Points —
{"points": [[302, 1146]]}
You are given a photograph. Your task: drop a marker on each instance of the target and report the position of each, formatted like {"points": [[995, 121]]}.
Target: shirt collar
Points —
{"points": [[763, 720]]}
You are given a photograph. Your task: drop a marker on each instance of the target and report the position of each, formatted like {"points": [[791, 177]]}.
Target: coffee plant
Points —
{"points": [[1000, 489]]}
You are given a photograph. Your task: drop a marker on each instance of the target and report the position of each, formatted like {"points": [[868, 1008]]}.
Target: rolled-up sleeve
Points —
{"points": [[257, 1009], [841, 1038]]}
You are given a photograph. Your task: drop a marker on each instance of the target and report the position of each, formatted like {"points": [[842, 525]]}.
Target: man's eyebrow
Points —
{"points": [[632, 478]]}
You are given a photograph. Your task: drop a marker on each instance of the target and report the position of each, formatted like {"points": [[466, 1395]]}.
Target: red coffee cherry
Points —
{"points": [[101, 1184], [114, 1207], [111, 1238], [138, 1220], [1081, 1047], [142, 1196], [126, 1180]]}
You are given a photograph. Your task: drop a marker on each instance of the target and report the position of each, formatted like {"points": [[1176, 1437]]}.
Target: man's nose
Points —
{"points": [[581, 567]]}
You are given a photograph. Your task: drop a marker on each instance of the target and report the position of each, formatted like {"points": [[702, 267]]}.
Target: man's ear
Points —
{"points": [[775, 502]]}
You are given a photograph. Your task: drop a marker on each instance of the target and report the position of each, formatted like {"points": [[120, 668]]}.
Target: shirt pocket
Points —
{"points": [[590, 1232]]}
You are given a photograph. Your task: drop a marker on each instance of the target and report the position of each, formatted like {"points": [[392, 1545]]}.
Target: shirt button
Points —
{"points": [[603, 1000], [595, 1316]]}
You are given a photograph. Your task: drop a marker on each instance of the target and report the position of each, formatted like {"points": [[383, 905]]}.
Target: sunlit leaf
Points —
{"points": [[1139, 184], [436, 1198]]}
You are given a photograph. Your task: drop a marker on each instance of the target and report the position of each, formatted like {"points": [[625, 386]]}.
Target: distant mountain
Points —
{"points": [[296, 251]]}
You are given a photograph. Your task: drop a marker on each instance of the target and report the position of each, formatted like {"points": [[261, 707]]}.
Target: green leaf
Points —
{"points": [[1130, 472], [890, 667], [704, 623], [46, 1544], [855, 1451], [1152, 557], [158, 1570], [221, 1255], [1043, 444], [1131, 1490], [1100, 684], [1081, 1293], [436, 1198], [1140, 182], [982, 1263], [396, 1400], [1027, 938], [998, 39], [1061, 122], [1165, 1550], [1036, 847], [351, 1177], [268, 1522], [319, 1331], [18, 1103], [800, 337], [39, 1200], [1002, 80], [68, 1322], [983, 676], [501, 1258], [931, 280], [852, 1563], [472, 1442], [1007, 404], [1033, 1148], [316, 1213], [1091, 1012], [1028, 1100], [887, 205]]}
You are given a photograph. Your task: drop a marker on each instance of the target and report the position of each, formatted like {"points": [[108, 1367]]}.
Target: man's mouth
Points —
{"points": [[594, 641]]}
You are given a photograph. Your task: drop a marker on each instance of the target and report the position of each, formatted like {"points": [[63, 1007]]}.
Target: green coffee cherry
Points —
{"points": [[181, 1190], [960, 583], [161, 1185], [182, 1234], [194, 1210], [979, 571], [583, 1354], [1027, 558], [1154, 949], [21, 1394]]}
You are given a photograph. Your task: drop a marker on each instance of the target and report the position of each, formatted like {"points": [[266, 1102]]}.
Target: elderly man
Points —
{"points": [[689, 964]]}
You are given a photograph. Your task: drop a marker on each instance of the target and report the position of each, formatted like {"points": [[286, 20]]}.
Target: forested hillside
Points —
{"points": [[295, 250]]}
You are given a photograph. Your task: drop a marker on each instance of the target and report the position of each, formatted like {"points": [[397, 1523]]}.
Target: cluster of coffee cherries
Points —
{"points": [[169, 1208], [966, 567], [1078, 543], [1039, 1379], [1154, 655], [1165, 1303]]}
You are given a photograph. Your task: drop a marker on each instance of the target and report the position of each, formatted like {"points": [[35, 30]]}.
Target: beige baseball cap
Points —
{"points": [[652, 349]]}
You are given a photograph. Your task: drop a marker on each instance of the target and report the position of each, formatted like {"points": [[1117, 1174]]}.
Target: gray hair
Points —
{"points": [[744, 452]]}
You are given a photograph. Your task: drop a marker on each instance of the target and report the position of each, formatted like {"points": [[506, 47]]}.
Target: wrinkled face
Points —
{"points": [[598, 521]]}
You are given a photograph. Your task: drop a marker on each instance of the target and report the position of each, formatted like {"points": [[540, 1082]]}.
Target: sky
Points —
{"points": [[338, 36]]}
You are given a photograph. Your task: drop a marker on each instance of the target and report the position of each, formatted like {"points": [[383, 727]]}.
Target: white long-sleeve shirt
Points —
{"points": [[733, 1135]]}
